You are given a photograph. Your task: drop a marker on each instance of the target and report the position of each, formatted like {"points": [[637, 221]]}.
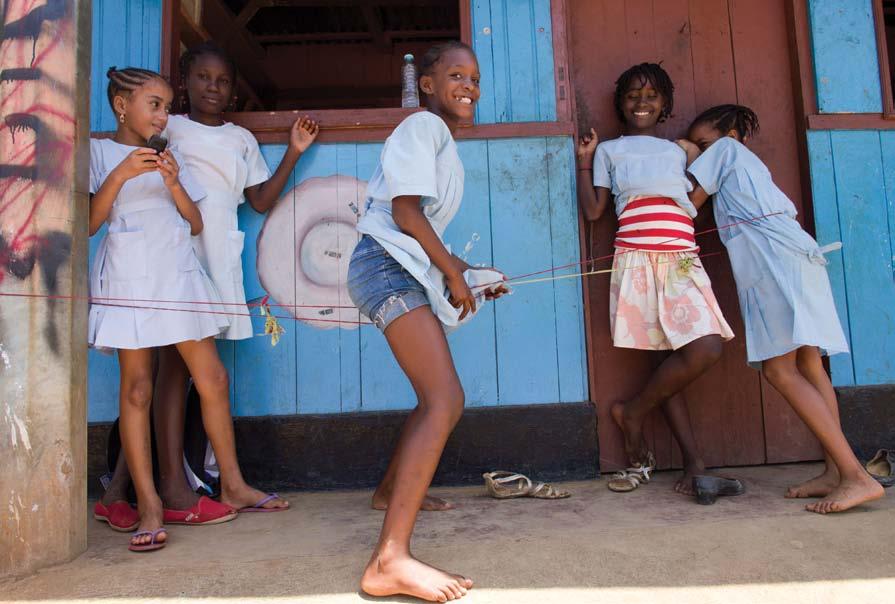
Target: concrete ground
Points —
{"points": [[643, 547]]}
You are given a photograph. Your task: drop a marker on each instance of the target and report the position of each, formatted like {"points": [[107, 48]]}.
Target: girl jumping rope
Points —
{"points": [[784, 293], [660, 296], [395, 278], [226, 160]]}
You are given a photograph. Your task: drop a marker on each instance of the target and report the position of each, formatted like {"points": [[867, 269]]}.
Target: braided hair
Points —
{"points": [[725, 118], [122, 82], [435, 53], [188, 58], [651, 73]]}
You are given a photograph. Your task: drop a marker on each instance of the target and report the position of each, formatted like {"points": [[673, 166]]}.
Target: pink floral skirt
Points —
{"points": [[662, 301]]}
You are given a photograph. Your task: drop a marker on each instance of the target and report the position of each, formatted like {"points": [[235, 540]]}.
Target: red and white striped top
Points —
{"points": [[655, 224]]}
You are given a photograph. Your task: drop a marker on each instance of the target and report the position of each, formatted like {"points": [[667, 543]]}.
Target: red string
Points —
{"points": [[110, 302]]}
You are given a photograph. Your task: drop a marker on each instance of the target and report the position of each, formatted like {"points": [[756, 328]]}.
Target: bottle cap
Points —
{"points": [[408, 58]]}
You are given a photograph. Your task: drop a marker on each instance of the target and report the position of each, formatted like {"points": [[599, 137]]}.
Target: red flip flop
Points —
{"points": [[153, 544], [206, 511], [259, 507], [119, 515]]}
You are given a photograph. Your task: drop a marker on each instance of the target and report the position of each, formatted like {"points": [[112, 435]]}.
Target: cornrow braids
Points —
{"points": [[122, 82], [647, 73], [434, 54], [207, 48], [725, 118]]}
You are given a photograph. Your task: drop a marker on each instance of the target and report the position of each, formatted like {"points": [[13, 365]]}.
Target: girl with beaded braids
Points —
{"points": [[226, 160], [660, 297], [784, 293], [397, 277], [148, 202]]}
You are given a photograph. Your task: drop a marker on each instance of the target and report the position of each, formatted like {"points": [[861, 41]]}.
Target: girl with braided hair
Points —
{"points": [[784, 292], [148, 202], [660, 296]]}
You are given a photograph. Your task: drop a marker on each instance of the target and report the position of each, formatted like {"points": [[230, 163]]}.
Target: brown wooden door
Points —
{"points": [[716, 51]]}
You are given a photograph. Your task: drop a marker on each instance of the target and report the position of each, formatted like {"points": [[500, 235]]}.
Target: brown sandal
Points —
{"points": [[509, 485]]}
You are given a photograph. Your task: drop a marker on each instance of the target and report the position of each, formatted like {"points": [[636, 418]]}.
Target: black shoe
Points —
{"points": [[709, 488]]}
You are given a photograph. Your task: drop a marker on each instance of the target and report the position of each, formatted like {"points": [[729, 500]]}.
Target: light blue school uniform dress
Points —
{"points": [[782, 283], [419, 158], [146, 275]]}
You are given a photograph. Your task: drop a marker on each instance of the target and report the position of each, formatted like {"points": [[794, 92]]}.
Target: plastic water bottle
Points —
{"points": [[410, 96]]}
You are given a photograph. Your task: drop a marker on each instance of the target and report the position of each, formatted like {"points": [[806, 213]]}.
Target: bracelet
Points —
{"points": [[585, 169]]}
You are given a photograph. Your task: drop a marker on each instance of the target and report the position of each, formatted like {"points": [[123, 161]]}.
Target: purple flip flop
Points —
{"points": [[153, 544], [259, 507]]}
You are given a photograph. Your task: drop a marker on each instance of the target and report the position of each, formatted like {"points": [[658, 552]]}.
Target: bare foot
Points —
{"points": [[245, 496], [405, 575], [847, 495], [430, 503], [635, 447], [150, 520], [819, 486], [684, 486], [181, 498]]}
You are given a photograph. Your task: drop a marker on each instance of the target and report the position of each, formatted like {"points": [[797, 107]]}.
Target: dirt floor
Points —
{"points": [[643, 547]]}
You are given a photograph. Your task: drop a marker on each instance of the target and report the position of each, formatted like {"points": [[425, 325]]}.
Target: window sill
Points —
{"points": [[851, 121], [372, 125]]}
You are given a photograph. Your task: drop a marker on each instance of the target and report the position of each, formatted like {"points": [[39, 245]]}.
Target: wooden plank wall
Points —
{"points": [[528, 348], [514, 43], [846, 65], [716, 51], [853, 183], [853, 188], [125, 34]]}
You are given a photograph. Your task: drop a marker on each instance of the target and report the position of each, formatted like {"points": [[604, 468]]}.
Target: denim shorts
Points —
{"points": [[379, 286]]}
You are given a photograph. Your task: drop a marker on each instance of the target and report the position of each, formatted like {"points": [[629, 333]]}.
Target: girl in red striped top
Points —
{"points": [[660, 296]]}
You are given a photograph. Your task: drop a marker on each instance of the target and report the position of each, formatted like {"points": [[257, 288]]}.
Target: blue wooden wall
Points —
{"points": [[853, 189], [846, 66], [514, 43], [125, 34], [527, 348]]}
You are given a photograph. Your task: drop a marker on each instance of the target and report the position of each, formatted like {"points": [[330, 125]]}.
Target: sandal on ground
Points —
{"points": [[259, 507], [628, 480], [509, 485], [119, 515], [206, 511], [708, 488], [882, 467], [153, 544]]}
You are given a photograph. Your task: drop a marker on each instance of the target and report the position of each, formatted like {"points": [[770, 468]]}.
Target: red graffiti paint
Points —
{"points": [[37, 133]]}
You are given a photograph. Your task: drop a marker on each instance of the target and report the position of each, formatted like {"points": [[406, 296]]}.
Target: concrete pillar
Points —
{"points": [[44, 153]]}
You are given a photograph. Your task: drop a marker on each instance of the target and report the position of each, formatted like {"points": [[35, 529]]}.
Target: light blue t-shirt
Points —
{"points": [[632, 166], [419, 158]]}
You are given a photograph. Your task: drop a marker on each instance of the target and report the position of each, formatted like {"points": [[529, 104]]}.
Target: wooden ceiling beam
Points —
{"points": [[360, 36]]}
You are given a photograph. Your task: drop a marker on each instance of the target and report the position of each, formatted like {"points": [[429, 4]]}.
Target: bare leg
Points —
{"points": [[810, 366], [168, 415], [384, 490], [121, 480], [855, 486], [135, 398], [213, 385], [678, 417], [419, 345], [673, 375]]}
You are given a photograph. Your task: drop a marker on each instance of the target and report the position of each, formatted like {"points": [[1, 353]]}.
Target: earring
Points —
{"points": [[121, 118]]}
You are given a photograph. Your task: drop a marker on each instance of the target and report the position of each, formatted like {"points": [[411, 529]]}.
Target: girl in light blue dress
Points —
{"points": [[783, 289]]}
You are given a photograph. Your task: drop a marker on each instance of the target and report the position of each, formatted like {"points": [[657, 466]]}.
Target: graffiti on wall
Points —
{"points": [[37, 129]]}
